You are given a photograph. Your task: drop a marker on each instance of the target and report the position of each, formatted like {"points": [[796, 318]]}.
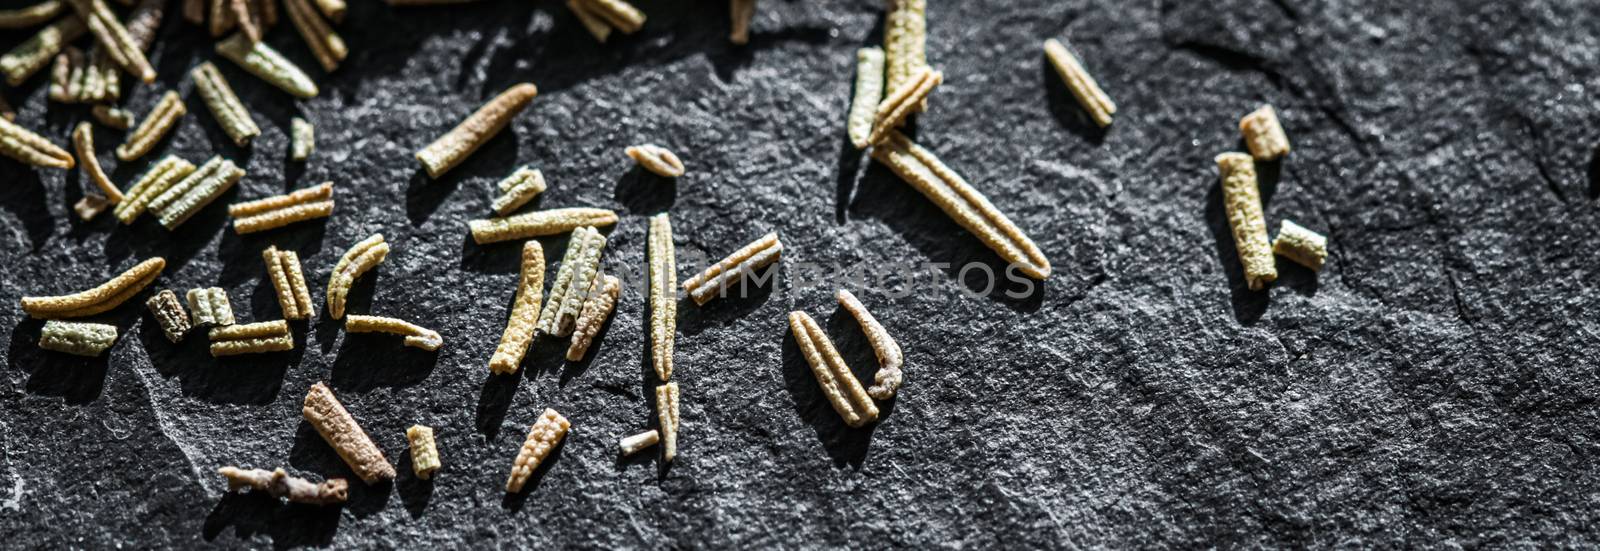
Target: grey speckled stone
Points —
{"points": [[1434, 384]]}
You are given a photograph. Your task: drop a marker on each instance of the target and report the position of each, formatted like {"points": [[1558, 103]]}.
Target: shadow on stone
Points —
{"points": [[289, 525], [737, 301], [641, 192], [414, 492], [77, 379], [242, 380], [368, 361], [1594, 173], [494, 401]]}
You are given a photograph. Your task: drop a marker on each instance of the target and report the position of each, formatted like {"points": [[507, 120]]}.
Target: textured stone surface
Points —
{"points": [[1435, 383]]}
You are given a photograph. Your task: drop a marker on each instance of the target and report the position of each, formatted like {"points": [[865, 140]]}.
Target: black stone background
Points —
{"points": [[1435, 384]]}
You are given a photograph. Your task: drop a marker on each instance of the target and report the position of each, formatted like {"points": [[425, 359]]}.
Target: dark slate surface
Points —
{"points": [[1435, 384]]}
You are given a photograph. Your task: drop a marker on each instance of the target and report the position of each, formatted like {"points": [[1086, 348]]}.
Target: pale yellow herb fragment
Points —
{"points": [[740, 12], [590, 20], [656, 159], [890, 357], [638, 442], [185, 198], [160, 122], [424, 451], [415, 335], [1301, 245], [969, 208], [667, 417], [579, 269], [102, 297], [902, 102], [356, 261], [455, 146], [303, 139], [517, 189], [83, 140], [543, 437], [1263, 134], [905, 37], [1241, 198], [663, 296], [538, 224], [251, 338], [617, 13], [265, 63], [710, 283], [1083, 86], [524, 312], [37, 14], [114, 38], [113, 117], [596, 309], [281, 210], [170, 170], [838, 384], [289, 282], [209, 307], [325, 44], [23, 145], [28, 57], [869, 92]]}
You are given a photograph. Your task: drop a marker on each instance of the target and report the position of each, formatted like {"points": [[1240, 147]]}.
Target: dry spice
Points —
{"points": [[455, 146], [617, 13], [905, 38], [579, 269], [209, 307], [28, 57], [835, 378], [340, 430], [538, 224], [114, 38], [289, 282], [251, 338], [1083, 86], [83, 140], [325, 44], [1301, 245], [634, 444], [113, 117], [1263, 134], [524, 312], [278, 483], [302, 139], [709, 284], [168, 171], [424, 452], [1241, 198], [663, 297], [595, 311], [869, 91], [667, 416], [281, 210], [265, 63], [181, 201], [103, 297], [656, 159], [416, 335], [160, 122], [890, 358], [37, 14], [517, 189], [169, 313], [356, 261], [334, 9], [90, 206], [77, 338], [543, 437], [969, 208], [20, 144], [902, 102], [224, 104], [591, 21]]}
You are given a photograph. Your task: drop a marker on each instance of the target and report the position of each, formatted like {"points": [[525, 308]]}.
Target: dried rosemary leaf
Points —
{"points": [[1083, 86], [517, 189], [265, 63], [185, 198], [170, 170], [656, 159], [838, 384], [663, 296], [278, 483], [224, 104], [543, 437], [340, 430], [169, 313], [160, 122], [21, 144], [667, 416], [103, 297], [415, 335], [524, 312], [114, 38], [83, 140], [710, 284], [302, 139], [969, 208], [281, 210], [1301, 245], [455, 146], [1241, 198], [209, 307], [424, 451], [890, 358], [356, 261], [28, 57], [37, 14], [538, 224], [1263, 134], [325, 44], [902, 102]]}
